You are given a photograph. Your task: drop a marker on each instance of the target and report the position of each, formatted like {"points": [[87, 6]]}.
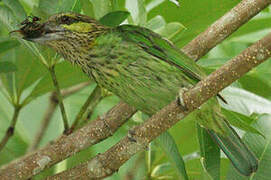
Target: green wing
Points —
{"points": [[161, 48]]}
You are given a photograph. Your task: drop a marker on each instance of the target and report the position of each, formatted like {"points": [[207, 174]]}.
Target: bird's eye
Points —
{"points": [[67, 20]]}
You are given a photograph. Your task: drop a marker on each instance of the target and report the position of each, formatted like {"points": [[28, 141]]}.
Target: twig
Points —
{"points": [[94, 97], [66, 146], [10, 130], [60, 99], [106, 164], [53, 102], [224, 27], [45, 122], [57, 151]]}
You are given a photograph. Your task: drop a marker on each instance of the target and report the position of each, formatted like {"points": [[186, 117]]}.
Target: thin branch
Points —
{"points": [[224, 27], [53, 102], [60, 99], [61, 149], [44, 123], [66, 146], [93, 100], [10, 130], [71, 90], [106, 164]]}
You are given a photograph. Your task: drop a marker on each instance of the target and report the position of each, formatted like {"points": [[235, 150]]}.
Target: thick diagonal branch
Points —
{"points": [[57, 151], [106, 164], [224, 27]]}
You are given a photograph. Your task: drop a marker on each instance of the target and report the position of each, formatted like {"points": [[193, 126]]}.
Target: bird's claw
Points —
{"points": [[107, 125], [130, 135], [180, 98]]}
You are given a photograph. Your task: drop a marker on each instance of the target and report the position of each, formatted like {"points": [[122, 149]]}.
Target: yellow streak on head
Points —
{"points": [[79, 27]]}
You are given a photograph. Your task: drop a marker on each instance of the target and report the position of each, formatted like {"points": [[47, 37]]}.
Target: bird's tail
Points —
{"points": [[235, 149], [224, 135]]}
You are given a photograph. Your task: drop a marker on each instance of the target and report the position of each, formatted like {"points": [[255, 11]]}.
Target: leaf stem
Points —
{"points": [[91, 102], [60, 99], [10, 130]]}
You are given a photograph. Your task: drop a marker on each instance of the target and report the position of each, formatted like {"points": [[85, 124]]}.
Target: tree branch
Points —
{"points": [[224, 27], [53, 102], [60, 99], [64, 147], [106, 164]]}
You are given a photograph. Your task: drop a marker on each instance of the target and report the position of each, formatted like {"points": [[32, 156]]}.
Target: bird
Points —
{"points": [[142, 68]]}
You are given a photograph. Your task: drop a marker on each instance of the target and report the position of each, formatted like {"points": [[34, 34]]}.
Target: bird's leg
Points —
{"points": [[180, 100], [130, 135], [107, 125]]}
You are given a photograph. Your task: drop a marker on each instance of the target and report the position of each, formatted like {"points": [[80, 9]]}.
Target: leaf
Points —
{"points": [[7, 44], [88, 8], [114, 19], [7, 18], [16, 8], [161, 170], [50, 7], [245, 102], [76, 6], [101, 7], [195, 19], [167, 143], [152, 4], [210, 153], [262, 149], [138, 11], [156, 23], [173, 31], [67, 75], [16, 146], [254, 29], [10, 22], [6, 67], [241, 121], [29, 70]]}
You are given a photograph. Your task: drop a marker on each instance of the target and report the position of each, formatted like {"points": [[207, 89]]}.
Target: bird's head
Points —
{"points": [[67, 33]]}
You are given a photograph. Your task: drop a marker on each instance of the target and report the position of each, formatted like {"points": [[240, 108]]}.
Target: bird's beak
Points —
{"points": [[41, 33], [47, 32]]}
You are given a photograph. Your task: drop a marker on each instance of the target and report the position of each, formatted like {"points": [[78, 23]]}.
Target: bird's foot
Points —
{"points": [[180, 100], [130, 135], [107, 125]]}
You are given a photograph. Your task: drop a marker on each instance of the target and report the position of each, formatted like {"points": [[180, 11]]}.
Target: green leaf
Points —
{"points": [[101, 7], [6, 67], [76, 6], [167, 143], [245, 102], [29, 70], [173, 31], [254, 29], [138, 11], [16, 8], [7, 18], [156, 23], [152, 4], [241, 121], [115, 18], [10, 22], [67, 75], [196, 15], [50, 7], [210, 153], [87, 7], [16, 147], [161, 170], [7, 44], [262, 149]]}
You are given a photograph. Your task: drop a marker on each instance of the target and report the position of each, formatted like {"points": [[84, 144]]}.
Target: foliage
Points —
{"points": [[24, 80]]}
